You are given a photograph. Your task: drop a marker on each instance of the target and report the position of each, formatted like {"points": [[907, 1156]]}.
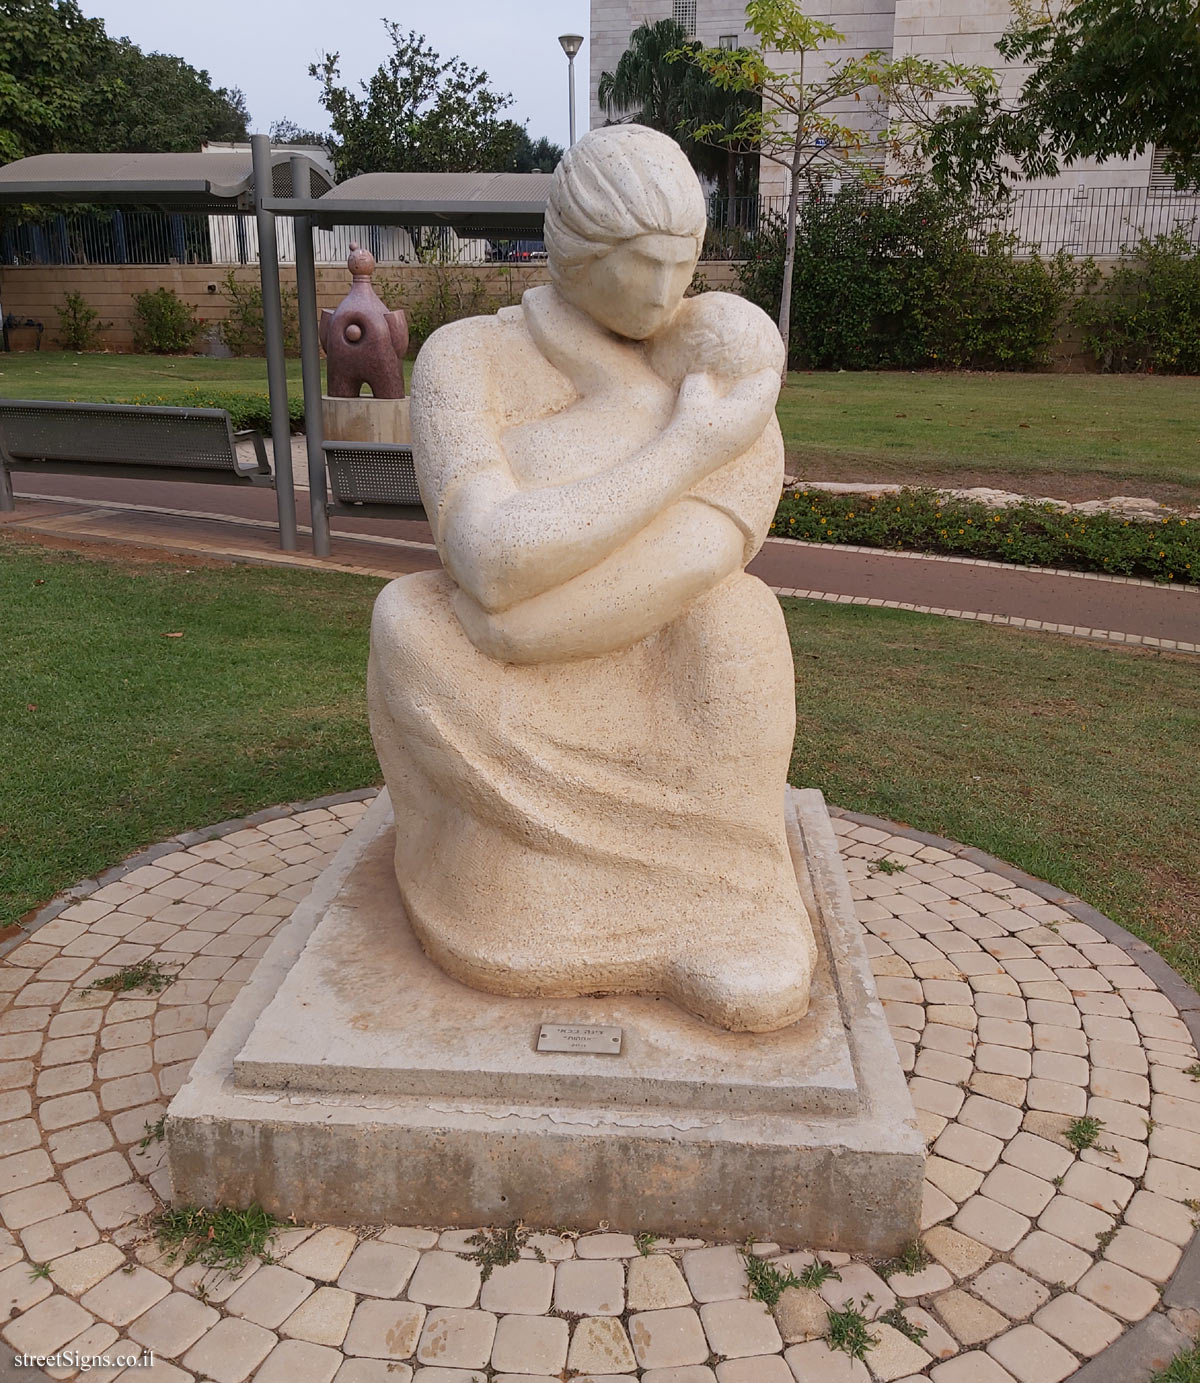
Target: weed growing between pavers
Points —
{"points": [[143, 974], [914, 1257], [225, 1239], [645, 1242], [1083, 1132], [817, 1273], [497, 1248], [847, 1331], [767, 1281], [895, 1317]]}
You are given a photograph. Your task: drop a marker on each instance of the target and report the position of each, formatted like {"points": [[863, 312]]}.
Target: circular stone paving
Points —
{"points": [[1050, 1247]]}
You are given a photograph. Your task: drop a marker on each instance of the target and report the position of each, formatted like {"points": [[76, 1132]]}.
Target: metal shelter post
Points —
{"points": [[310, 371], [268, 269]]}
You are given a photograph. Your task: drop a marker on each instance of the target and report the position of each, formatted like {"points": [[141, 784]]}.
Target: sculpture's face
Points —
{"points": [[635, 289]]}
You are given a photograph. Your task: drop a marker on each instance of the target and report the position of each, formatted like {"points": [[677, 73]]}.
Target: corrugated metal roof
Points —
{"points": [[192, 179], [452, 188]]}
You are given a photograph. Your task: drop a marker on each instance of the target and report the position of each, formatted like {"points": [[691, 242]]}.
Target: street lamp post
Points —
{"points": [[571, 44]]}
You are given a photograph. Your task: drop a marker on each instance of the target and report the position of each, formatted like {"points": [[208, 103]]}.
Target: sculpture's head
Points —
{"points": [[624, 226]]}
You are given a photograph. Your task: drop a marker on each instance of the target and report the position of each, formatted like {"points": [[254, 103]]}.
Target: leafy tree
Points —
{"points": [[806, 123], [1107, 78], [650, 86], [533, 155], [288, 132], [65, 85], [48, 51], [417, 113]]}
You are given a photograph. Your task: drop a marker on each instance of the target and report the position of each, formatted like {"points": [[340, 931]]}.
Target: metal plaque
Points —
{"points": [[579, 1037]]}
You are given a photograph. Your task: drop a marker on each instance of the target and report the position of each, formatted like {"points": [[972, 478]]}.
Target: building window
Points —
{"points": [[685, 16], [730, 41], [1162, 183]]}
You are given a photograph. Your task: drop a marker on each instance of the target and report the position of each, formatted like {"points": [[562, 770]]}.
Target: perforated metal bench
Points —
{"points": [[125, 440], [371, 480]]}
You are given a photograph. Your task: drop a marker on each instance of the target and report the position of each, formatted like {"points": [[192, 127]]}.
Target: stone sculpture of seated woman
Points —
{"points": [[585, 720]]}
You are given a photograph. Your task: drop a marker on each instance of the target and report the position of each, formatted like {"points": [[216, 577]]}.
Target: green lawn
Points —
{"points": [[1070, 436], [1073, 761]]}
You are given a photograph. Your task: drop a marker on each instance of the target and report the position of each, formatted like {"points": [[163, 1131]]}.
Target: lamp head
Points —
{"points": [[571, 43]]}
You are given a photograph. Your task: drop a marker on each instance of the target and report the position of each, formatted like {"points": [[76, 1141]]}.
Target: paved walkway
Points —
{"points": [[1015, 1009], [239, 524]]}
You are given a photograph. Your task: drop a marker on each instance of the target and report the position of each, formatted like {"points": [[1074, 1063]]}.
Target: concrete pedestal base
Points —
{"points": [[367, 419], [354, 1082]]}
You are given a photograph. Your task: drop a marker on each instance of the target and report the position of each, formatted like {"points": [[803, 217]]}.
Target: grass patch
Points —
{"points": [[97, 376], [911, 1261], [1069, 436], [768, 1282], [1083, 1132], [847, 1331], [817, 1273], [224, 1239], [497, 1248], [1073, 761], [895, 1317], [645, 1242], [1184, 1368], [143, 974], [114, 737]]}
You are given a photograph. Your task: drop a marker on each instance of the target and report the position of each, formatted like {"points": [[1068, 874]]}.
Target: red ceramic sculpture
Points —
{"points": [[364, 341]]}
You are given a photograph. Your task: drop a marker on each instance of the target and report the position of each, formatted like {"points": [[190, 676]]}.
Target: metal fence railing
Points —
{"points": [[1097, 221]]}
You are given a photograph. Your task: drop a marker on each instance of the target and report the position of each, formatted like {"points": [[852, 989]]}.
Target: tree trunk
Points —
{"points": [[731, 185], [789, 264]]}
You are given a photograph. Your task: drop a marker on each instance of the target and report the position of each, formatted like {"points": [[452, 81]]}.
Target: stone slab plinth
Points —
{"points": [[367, 419], [354, 1082]]}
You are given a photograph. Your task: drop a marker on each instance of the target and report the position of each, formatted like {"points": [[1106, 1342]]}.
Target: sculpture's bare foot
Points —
{"points": [[754, 986]]}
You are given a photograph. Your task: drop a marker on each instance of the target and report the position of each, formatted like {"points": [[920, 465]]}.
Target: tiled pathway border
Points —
{"points": [[1014, 1006]]}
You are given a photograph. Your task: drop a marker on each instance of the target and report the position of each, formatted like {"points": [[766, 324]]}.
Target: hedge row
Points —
{"points": [[1027, 533]]}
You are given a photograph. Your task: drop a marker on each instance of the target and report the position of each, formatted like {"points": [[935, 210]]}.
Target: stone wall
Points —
{"points": [[38, 291]]}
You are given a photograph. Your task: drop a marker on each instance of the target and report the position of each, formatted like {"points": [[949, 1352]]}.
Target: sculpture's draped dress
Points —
{"points": [[561, 826]]}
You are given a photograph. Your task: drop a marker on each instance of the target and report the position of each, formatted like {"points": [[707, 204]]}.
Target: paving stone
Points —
{"points": [[128, 1061], [524, 1288], [991, 1223], [815, 1362], [270, 1296], [1031, 1356], [19, 1290], [96, 1174], [75, 1273], [1143, 1253], [230, 1352], [1157, 1215], [942, 1066], [923, 1283], [893, 1354], [127, 1091], [376, 1270], [298, 1361], [383, 1371], [444, 1279], [33, 1204], [1017, 1189], [593, 1288], [173, 1325], [98, 1338], [385, 1329], [975, 1367], [213, 1284], [46, 1327], [1056, 1096], [801, 1314], [1075, 1222], [1010, 1290], [857, 1283], [121, 1205], [668, 1339], [968, 1319], [606, 1246], [739, 1328], [953, 1178], [1038, 1156], [1099, 1188], [716, 1274], [410, 1237], [49, 1239], [655, 1283], [124, 1296], [958, 1253], [770, 1369], [600, 1345], [456, 1338], [969, 1146], [934, 1095], [323, 1318], [1078, 1324], [24, 1169], [935, 1206], [1118, 1291], [530, 1344], [1003, 1061]]}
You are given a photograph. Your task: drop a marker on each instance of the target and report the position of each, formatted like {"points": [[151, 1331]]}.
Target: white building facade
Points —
{"points": [[1091, 208]]}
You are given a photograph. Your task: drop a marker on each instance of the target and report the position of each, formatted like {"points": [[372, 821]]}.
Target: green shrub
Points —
{"points": [[246, 410], [79, 324], [900, 282], [1033, 534], [163, 323], [242, 328], [1146, 314]]}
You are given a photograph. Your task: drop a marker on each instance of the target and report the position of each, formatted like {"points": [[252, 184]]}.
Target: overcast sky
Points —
{"points": [[265, 47]]}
